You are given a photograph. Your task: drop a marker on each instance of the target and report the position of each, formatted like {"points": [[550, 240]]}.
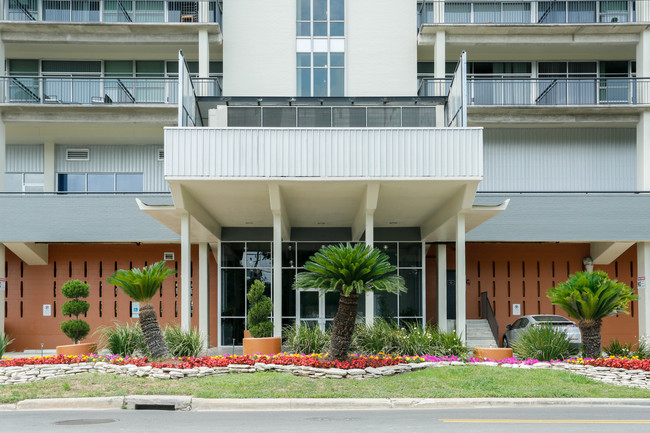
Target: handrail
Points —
{"points": [[545, 92], [488, 313], [126, 91]]}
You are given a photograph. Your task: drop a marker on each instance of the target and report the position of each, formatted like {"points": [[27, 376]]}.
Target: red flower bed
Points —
{"points": [[627, 363], [217, 361]]}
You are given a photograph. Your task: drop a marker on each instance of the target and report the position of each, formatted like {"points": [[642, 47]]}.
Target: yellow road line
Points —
{"points": [[549, 421]]}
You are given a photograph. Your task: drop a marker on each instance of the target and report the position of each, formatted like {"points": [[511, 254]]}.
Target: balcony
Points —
{"points": [[98, 90], [548, 91], [533, 12], [114, 11]]}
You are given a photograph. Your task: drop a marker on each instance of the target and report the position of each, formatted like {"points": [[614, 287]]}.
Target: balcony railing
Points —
{"points": [[96, 90], [114, 11], [532, 12], [549, 90]]}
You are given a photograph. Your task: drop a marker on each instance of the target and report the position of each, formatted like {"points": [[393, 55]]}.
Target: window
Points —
{"points": [[100, 182], [24, 182], [320, 47]]}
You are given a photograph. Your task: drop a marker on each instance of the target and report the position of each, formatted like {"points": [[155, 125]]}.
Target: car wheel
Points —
{"points": [[505, 342]]}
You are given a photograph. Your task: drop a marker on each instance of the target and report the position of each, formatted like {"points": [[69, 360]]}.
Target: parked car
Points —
{"points": [[513, 331]]}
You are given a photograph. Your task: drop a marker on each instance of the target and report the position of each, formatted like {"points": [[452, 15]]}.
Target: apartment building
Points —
{"points": [[487, 177]]}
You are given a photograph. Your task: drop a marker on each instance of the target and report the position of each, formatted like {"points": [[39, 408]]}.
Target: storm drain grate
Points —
{"points": [[155, 407]]}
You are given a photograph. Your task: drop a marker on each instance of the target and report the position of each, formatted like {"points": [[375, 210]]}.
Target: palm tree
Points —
{"points": [[141, 285], [350, 271], [589, 297]]}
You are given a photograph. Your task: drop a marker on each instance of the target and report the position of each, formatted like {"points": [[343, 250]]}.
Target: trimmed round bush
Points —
{"points": [[75, 329], [259, 311]]}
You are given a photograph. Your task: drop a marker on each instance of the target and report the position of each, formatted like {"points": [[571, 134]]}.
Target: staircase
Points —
{"points": [[478, 334]]}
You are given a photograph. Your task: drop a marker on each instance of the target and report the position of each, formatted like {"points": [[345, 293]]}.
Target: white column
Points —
{"points": [[439, 12], [643, 151], [204, 293], [49, 167], [217, 255], [186, 258], [3, 155], [461, 280], [277, 274], [2, 289], [643, 263], [3, 67], [204, 11], [439, 58], [441, 263], [204, 62], [370, 240]]}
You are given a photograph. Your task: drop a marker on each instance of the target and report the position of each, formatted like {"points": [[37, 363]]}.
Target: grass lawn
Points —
{"points": [[468, 381]]}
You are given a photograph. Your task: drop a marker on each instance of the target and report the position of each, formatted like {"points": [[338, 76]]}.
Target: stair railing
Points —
{"points": [[488, 313]]}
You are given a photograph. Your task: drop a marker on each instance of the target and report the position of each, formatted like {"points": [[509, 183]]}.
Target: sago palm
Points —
{"points": [[351, 271], [141, 285], [589, 297]]}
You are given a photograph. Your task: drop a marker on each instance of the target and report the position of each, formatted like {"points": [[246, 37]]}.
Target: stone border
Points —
{"points": [[34, 373]]}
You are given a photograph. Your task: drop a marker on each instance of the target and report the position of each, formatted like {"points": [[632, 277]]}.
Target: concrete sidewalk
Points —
{"points": [[188, 403]]}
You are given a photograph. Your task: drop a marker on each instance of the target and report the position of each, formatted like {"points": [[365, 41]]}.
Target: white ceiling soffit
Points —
{"points": [[474, 217], [170, 217]]}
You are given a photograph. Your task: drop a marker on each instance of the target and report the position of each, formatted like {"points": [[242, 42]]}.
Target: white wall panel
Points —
{"points": [[562, 159], [118, 159], [381, 47], [267, 152], [25, 158]]}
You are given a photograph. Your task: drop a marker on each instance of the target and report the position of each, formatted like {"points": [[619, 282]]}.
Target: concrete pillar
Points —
{"points": [[439, 59], [217, 254], [204, 293], [643, 260], [461, 280], [2, 288], [370, 240], [204, 11], [439, 12], [441, 263], [3, 67], [277, 274], [49, 167], [643, 152], [3, 155], [204, 63], [186, 259]]}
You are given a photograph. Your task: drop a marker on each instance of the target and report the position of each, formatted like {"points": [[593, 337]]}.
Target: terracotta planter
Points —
{"points": [[76, 349], [492, 353], [264, 346]]}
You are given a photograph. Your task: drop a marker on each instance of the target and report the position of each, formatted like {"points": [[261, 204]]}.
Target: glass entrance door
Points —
{"points": [[314, 309]]}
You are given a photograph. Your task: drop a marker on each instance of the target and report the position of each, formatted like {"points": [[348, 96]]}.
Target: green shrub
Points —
{"points": [[183, 343], [642, 350], [411, 339], [123, 339], [305, 339], [259, 324], [75, 329], [616, 348], [4, 342], [381, 336], [544, 343]]}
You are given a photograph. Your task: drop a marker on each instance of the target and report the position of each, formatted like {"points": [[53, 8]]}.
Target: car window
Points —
{"points": [[523, 323], [516, 324]]}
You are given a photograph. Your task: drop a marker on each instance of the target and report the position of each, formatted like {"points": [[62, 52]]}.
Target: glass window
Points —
{"points": [[320, 10], [118, 68], [303, 29], [232, 254], [71, 182], [337, 82], [320, 60], [320, 29], [320, 82], [304, 82], [337, 10], [337, 60], [303, 11], [258, 255], [337, 29], [101, 182], [128, 182], [14, 182]]}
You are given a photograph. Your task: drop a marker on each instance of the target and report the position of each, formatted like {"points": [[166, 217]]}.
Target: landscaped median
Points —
{"points": [[617, 371]]}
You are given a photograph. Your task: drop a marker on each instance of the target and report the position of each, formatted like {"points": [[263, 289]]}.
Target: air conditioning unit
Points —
{"points": [[168, 256]]}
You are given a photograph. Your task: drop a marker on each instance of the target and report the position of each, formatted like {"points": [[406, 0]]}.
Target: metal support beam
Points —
{"points": [[186, 260], [441, 263], [461, 280], [204, 293]]}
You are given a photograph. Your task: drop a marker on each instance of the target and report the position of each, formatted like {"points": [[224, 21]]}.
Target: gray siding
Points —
{"points": [[118, 159], [25, 158], [563, 159]]}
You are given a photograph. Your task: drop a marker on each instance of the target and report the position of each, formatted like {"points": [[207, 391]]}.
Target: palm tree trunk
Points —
{"points": [[152, 333], [343, 327], [590, 330]]}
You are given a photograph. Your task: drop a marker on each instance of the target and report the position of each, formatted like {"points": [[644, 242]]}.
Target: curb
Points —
{"points": [[185, 403]]}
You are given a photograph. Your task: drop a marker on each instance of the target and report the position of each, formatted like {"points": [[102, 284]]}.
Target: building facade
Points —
{"points": [[287, 125]]}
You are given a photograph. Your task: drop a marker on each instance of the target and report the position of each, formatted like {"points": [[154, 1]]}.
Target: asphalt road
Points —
{"points": [[521, 419]]}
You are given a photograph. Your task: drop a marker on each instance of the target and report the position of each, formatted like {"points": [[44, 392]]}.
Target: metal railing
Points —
{"points": [[488, 313], [95, 90], [114, 11], [532, 12], [550, 91]]}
